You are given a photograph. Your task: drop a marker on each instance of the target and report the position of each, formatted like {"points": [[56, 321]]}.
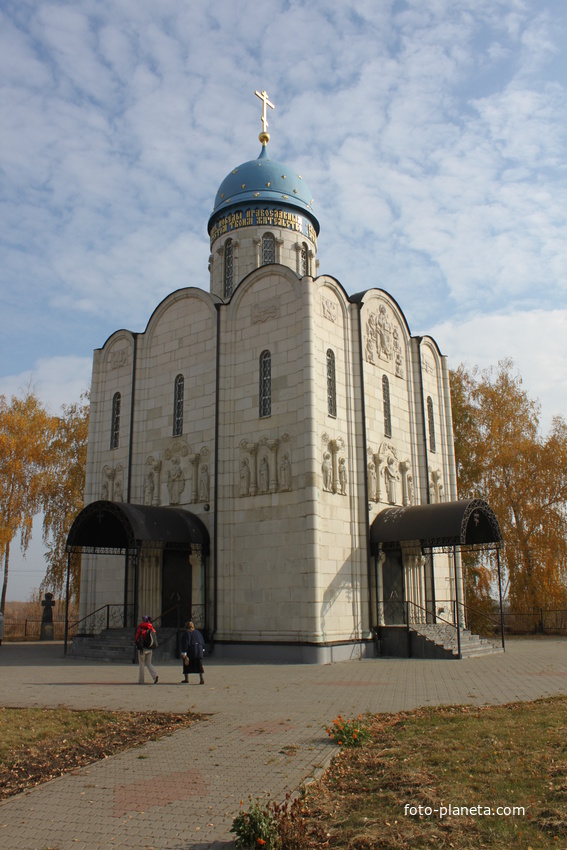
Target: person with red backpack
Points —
{"points": [[146, 640]]}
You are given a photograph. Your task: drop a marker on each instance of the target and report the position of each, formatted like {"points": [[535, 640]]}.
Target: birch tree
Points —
{"points": [[63, 493], [26, 432], [502, 457]]}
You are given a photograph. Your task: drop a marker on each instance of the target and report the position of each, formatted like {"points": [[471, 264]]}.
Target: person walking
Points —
{"points": [[146, 640], [192, 651]]}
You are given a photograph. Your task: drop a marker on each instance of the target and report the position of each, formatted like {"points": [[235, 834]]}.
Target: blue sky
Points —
{"points": [[432, 134]]}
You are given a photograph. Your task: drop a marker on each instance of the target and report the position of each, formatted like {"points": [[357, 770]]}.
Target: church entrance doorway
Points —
{"points": [[176, 588], [393, 588]]}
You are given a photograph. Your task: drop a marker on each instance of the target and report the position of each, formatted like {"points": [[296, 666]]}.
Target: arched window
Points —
{"points": [[331, 384], [178, 389], [265, 406], [115, 423], [386, 405], [268, 249], [304, 266], [431, 421], [228, 256]]}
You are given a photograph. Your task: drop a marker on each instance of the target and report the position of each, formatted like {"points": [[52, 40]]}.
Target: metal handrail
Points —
{"points": [[437, 619], [91, 614], [168, 611]]}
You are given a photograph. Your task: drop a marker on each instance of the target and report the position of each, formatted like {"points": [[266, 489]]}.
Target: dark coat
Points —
{"points": [[193, 643]]}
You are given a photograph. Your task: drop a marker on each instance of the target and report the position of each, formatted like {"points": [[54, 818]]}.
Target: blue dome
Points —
{"points": [[262, 181]]}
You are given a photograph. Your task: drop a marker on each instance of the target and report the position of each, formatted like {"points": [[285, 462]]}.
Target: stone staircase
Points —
{"points": [[445, 636], [117, 646]]}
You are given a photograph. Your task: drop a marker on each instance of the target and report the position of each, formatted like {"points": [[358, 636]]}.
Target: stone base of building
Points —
{"points": [[294, 653]]}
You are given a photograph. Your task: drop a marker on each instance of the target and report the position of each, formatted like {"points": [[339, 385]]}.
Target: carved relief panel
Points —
{"points": [[390, 479], [334, 467], [265, 466], [436, 489], [382, 340], [112, 489], [152, 481], [197, 468], [176, 475]]}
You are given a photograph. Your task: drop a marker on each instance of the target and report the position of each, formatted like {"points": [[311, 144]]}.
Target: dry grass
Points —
{"points": [[38, 744], [513, 755]]}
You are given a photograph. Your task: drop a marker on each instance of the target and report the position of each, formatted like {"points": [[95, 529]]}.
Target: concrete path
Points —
{"points": [[265, 734]]}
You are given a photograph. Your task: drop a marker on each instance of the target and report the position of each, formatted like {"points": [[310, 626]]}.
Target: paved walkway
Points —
{"points": [[265, 733]]}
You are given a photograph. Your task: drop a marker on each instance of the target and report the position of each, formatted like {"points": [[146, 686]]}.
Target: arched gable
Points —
{"points": [[178, 298], [286, 277], [116, 352], [338, 296]]}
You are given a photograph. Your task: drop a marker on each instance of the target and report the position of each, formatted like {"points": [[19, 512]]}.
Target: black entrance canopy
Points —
{"points": [[117, 526], [468, 522]]}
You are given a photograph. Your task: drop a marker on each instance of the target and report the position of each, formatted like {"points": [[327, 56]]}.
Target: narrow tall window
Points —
{"points": [[228, 256], [304, 264], [386, 405], [115, 423], [431, 421], [178, 389], [268, 249], [265, 384], [331, 384]]}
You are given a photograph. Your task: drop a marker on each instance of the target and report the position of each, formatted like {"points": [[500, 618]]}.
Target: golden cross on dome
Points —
{"points": [[264, 136]]}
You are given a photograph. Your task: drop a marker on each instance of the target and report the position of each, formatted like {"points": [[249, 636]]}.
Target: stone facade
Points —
{"points": [[285, 415]]}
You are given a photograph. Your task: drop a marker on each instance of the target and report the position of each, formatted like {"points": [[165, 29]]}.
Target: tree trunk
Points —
{"points": [[5, 585]]}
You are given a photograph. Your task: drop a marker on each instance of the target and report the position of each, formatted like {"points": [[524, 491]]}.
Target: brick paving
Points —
{"points": [[265, 733]]}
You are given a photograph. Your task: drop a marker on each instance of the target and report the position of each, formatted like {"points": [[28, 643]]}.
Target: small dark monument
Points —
{"points": [[47, 619]]}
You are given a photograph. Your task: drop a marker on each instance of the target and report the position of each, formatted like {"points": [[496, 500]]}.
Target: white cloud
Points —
{"points": [[535, 340], [56, 381]]}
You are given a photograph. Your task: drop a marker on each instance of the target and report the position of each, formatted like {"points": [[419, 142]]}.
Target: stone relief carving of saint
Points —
{"points": [[104, 490], [435, 486], [398, 359], [391, 478], [204, 483], [383, 340], [327, 472], [264, 475], [244, 478], [384, 334], [118, 495], [285, 473], [149, 487], [175, 481], [370, 338], [410, 489], [342, 476], [372, 481]]}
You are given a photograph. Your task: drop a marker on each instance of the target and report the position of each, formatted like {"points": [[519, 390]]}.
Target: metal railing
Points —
{"points": [[411, 615], [543, 621], [111, 616], [418, 615], [29, 628], [114, 616]]}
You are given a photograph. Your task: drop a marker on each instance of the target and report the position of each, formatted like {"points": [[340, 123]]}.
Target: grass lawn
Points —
{"points": [[512, 756], [37, 744]]}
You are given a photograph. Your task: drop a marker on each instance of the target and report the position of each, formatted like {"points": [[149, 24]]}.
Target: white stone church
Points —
{"points": [[273, 458]]}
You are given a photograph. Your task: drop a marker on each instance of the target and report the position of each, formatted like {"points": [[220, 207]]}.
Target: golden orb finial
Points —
{"points": [[264, 137]]}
